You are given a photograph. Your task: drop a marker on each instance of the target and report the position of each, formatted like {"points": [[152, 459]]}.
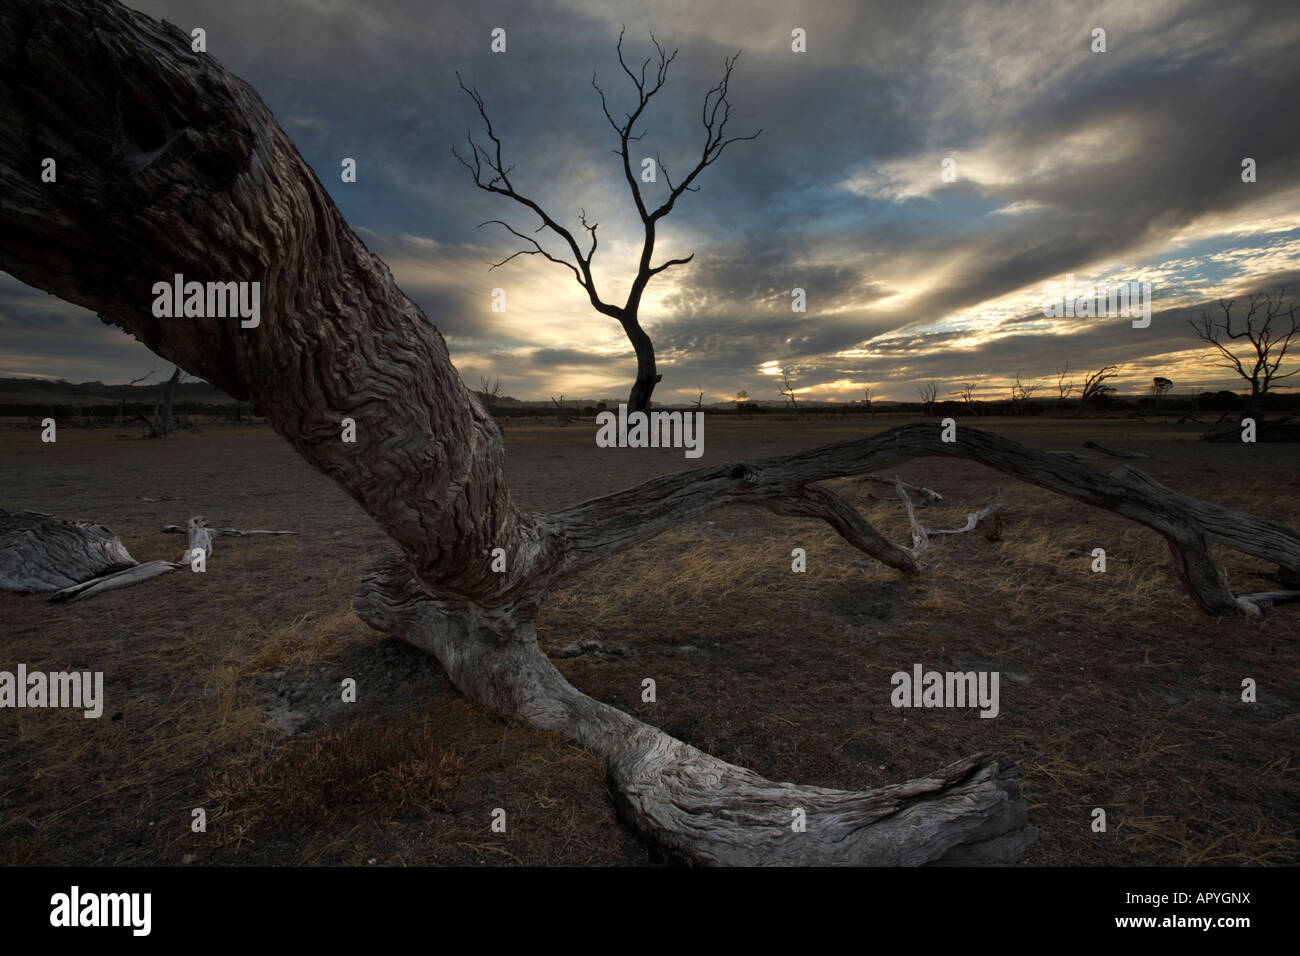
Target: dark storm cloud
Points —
{"points": [[1067, 160]]}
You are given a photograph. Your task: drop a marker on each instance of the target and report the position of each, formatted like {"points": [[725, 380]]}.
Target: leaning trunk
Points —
{"points": [[646, 377]]}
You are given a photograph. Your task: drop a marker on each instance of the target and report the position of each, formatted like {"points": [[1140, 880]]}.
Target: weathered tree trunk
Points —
{"points": [[78, 559], [165, 405], [638, 400], [39, 552], [180, 168]]}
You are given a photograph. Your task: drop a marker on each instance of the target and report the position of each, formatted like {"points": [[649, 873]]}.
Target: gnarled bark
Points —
{"points": [[76, 559], [39, 552], [687, 804], [180, 168]]}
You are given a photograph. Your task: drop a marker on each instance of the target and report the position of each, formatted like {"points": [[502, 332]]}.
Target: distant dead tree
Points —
{"points": [[1021, 393], [121, 407], [967, 392], [1267, 337], [1094, 387], [1160, 386], [1065, 386], [160, 422], [866, 401], [929, 391], [788, 392], [429, 468], [491, 174], [489, 392], [163, 409], [561, 413], [699, 401]]}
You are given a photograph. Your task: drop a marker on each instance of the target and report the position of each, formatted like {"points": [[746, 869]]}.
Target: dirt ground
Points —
{"points": [[223, 689]]}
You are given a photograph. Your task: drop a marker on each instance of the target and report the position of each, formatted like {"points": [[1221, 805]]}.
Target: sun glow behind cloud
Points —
{"points": [[1114, 167]]}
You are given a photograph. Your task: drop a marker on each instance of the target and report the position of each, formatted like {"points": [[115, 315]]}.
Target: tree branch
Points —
{"points": [[715, 140], [589, 531], [536, 250], [582, 271]]}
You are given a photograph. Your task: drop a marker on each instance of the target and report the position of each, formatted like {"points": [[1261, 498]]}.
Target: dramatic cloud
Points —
{"points": [[1115, 166]]}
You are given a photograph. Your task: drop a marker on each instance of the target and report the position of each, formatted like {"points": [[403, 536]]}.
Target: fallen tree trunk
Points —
{"points": [[198, 540], [39, 552], [113, 582], [77, 559], [225, 532], [181, 169]]}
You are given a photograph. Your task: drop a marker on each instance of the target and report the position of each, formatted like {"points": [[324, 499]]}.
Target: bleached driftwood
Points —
{"points": [[76, 560], [198, 540], [224, 532], [39, 552], [921, 535], [111, 582], [1269, 598]]}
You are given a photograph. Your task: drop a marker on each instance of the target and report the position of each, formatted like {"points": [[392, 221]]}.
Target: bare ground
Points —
{"points": [[223, 688]]}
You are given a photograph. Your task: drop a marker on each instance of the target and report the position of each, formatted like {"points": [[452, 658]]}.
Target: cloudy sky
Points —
{"points": [[1111, 167]]}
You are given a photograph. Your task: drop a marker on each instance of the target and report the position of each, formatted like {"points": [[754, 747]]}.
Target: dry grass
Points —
{"points": [[1116, 691]]}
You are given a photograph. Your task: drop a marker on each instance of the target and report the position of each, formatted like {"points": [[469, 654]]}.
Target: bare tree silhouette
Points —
{"points": [[1268, 337], [1021, 393], [787, 392], [929, 391], [1065, 387], [1094, 387], [491, 174]]}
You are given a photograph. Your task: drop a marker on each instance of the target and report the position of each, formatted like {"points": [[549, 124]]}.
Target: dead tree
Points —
{"points": [[699, 399], [76, 560], [929, 391], [787, 392], [1065, 386], [1094, 387], [561, 413], [489, 393], [197, 177], [967, 392], [1269, 336], [163, 410], [492, 174], [121, 408], [1020, 395], [39, 552]]}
